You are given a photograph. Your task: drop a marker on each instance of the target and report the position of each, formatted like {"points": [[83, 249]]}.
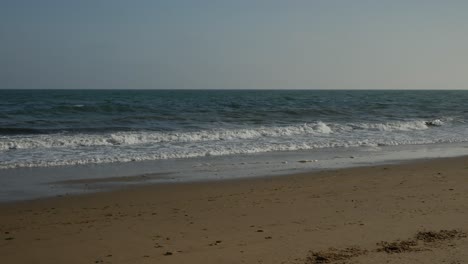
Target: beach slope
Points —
{"points": [[407, 213]]}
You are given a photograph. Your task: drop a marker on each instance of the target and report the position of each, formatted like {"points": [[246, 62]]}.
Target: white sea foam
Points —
{"points": [[135, 138], [395, 126], [74, 149]]}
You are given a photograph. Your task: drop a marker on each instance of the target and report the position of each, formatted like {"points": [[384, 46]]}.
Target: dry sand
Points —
{"points": [[408, 213]]}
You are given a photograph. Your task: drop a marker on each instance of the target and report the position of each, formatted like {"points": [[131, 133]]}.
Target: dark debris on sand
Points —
{"points": [[425, 236], [333, 255], [398, 246], [422, 241], [431, 236]]}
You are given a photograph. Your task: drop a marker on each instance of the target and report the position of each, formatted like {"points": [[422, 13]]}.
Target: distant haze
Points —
{"points": [[233, 44]]}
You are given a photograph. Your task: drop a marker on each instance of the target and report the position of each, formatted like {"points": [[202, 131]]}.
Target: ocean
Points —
{"points": [[60, 127], [69, 128]]}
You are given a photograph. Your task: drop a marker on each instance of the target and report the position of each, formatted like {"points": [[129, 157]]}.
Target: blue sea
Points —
{"points": [[49, 139], [47, 128]]}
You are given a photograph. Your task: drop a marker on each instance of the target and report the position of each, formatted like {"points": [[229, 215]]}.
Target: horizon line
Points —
{"points": [[235, 89]]}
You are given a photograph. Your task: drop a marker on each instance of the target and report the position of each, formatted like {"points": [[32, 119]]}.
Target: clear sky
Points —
{"points": [[202, 44]]}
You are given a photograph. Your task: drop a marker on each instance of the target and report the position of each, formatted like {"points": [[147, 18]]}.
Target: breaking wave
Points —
{"points": [[148, 137], [45, 150]]}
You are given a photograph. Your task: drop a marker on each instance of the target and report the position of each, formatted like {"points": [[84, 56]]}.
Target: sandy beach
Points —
{"points": [[407, 213], [230, 132]]}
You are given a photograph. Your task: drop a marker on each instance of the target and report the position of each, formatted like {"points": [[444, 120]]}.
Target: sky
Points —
{"points": [[226, 44]]}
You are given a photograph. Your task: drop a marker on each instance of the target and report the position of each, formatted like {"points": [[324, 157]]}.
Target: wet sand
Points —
{"points": [[406, 213]]}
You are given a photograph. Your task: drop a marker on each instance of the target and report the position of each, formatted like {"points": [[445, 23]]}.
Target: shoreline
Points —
{"points": [[32, 183], [253, 220]]}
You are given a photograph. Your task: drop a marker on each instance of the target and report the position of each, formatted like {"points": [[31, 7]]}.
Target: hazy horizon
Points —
{"points": [[230, 89], [256, 45]]}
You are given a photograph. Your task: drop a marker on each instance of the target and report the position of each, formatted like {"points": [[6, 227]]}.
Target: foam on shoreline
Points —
{"points": [[29, 183]]}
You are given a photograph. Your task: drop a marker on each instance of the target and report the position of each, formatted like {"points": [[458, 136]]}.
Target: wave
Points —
{"points": [[398, 125], [128, 138], [67, 158], [45, 150], [146, 137]]}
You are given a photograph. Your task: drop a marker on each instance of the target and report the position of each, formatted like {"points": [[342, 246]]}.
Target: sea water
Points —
{"points": [[43, 132]]}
